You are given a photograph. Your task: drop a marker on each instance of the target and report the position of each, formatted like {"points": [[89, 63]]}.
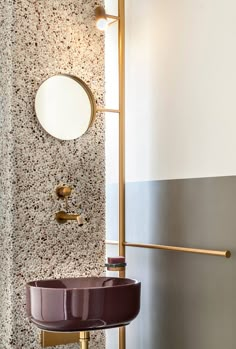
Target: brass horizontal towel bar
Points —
{"points": [[108, 110], [226, 253]]}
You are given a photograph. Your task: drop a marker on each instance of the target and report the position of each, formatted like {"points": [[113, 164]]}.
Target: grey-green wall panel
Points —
{"points": [[188, 301], [198, 212]]}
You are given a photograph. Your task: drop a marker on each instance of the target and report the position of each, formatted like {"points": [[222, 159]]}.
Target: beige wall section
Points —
{"points": [[39, 39], [180, 83]]}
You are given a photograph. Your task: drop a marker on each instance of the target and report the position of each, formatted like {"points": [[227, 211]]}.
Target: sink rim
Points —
{"points": [[133, 282]]}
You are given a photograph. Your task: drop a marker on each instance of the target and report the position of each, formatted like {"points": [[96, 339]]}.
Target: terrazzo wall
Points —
{"points": [[38, 39]]}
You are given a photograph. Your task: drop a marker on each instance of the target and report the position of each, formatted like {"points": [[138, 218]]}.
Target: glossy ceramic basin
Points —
{"points": [[82, 304]]}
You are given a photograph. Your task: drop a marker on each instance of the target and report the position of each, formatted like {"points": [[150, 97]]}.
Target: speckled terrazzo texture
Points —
{"points": [[40, 39], [6, 175]]}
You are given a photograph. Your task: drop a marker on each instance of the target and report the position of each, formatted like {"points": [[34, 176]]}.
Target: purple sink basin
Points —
{"points": [[82, 304]]}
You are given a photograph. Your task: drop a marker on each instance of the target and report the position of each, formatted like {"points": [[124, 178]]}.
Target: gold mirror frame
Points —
{"points": [[89, 94]]}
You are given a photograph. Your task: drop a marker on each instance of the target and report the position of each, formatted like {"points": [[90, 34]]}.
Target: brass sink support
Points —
{"points": [[49, 339], [84, 340]]}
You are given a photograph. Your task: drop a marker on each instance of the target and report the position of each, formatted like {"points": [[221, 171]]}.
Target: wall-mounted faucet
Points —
{"points": [[63, 217], [63, 192]]}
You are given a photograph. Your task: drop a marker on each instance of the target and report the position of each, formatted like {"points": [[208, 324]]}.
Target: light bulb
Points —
{"points": [[101, 18], [102, 24]]}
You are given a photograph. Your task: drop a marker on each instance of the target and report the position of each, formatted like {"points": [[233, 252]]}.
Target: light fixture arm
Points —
{"points": [[113, 17], [102, 18]]}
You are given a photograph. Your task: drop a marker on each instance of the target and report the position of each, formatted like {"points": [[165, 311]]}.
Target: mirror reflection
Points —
{"points": [[65, 106]]}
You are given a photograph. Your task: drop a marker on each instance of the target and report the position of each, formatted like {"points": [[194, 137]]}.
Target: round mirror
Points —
{"points": [[65, 106]]}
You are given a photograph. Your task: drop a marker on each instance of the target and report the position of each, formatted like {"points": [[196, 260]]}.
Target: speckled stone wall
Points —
{"points": [[6, 174], [38, 39]]}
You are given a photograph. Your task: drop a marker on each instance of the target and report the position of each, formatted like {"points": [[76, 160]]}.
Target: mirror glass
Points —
{"points": [[65, 106]]}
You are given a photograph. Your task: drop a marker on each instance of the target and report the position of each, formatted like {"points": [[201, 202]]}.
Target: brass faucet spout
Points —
{"points": [[63, 217]]}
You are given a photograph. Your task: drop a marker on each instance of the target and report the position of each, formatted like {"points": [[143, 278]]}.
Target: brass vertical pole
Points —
{"points": [[121, 30], [121, 129]]}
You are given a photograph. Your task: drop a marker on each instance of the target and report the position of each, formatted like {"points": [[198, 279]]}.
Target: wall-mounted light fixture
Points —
{"points": [[103, 20]]}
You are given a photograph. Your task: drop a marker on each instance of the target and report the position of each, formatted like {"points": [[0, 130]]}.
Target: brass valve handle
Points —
{"points": [[63, 192]]}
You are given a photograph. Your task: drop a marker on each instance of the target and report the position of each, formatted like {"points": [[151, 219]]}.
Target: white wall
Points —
{"points": [[180, 83]]}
